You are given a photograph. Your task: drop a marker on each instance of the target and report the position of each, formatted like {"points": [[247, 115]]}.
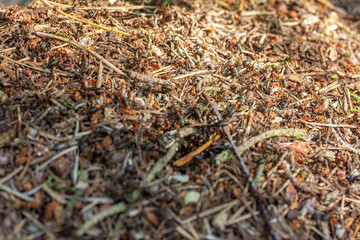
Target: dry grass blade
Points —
{"points": [[85, 21]]}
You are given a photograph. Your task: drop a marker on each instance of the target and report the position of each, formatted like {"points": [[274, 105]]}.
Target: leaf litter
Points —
{"points": [[179, 120]]}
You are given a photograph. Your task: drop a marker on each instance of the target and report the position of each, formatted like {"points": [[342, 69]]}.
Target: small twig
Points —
{"points": [[286, 183], [147, 79], [22, 174], [201, 72], [255, 13], [188, 56], [211, 211], [39, 224], [70, 149], [329, 125], [11, 175], [357, 228], [16, 193], [347, 75], [330, 87], [244, 169], [188, 157], [85, 21], [344, 143], [248, 127], [348, 98], [124, 8], [301, 185], [290, 132], [100, 78], [184, 233], [241, 218], [25, 65], [61, 139], [259, 173], [160, 164], [113, 210], [76, 168], [102, 200], [57, 197], [99, 57], [271, 171]]}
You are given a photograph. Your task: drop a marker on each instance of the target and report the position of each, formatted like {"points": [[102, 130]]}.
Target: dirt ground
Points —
{"points": [[221, 119]]}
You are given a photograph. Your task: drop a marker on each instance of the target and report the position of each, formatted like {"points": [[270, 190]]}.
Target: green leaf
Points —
{"points": [[83, 175], [356, 98], [129, 65], [302, 175], [64, 35]]}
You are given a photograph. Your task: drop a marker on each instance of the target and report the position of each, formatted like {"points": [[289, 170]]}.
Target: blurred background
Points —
{"points": [[14, 2], [351, 6]]}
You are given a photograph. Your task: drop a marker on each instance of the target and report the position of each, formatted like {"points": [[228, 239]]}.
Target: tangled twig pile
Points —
{"points": [[109, 127]]}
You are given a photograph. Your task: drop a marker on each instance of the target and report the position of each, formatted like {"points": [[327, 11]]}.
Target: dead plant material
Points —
{"points": [[98, 99], [188, 157]]}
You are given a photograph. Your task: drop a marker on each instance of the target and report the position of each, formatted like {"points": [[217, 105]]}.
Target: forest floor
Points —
{"points": [[120, 121]]}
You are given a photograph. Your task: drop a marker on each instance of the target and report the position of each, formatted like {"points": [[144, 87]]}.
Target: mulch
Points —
{"points": [[180, 120]]}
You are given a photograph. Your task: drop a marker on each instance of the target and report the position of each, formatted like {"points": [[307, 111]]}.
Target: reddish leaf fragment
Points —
{"points": [[152, 218], [298, 148]]}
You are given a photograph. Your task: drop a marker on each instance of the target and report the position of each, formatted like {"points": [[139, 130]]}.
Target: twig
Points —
{"points": [[76, 168], [271, 171], [101, 200], [100, 8], [16, 193], [211, 211], [39, 224], [100, 78], [286, 183], [357, 228], [57, 197], [201, 72], [33, 67], [188, 157], [67, 138], [290, 132], [259, 173], [330, 87], [244, 169], [241, 218], [85, 21], [186, 53], [328, 125], [184, 233], [99, 57], [160, 164], [9, 176], [301, 185], [113, 210], [70, 149], [255, 13], [344, 143], [147, 79], [248, 127]]}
